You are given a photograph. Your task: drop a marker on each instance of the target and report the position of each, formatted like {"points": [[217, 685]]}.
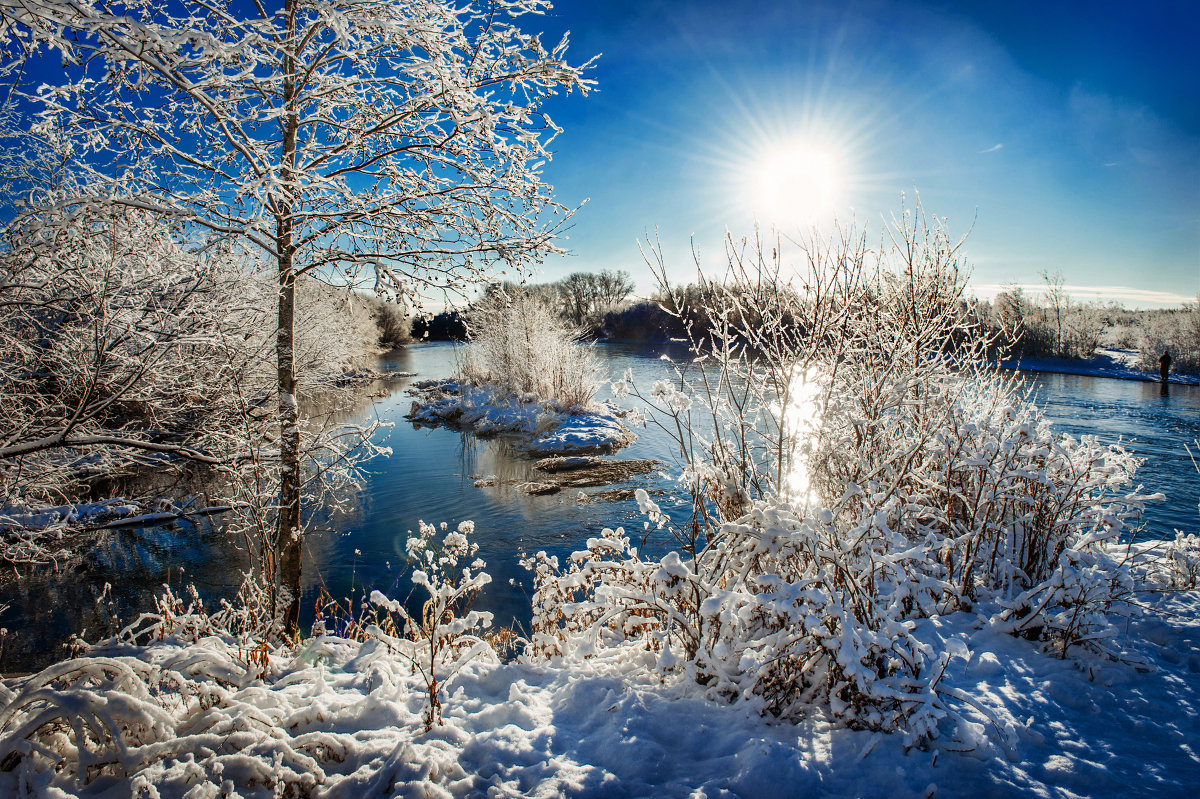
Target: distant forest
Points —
{"points": [[1048, 323]]}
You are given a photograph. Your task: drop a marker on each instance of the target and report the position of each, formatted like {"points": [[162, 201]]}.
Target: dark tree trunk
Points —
{"points": [[288, 536]]}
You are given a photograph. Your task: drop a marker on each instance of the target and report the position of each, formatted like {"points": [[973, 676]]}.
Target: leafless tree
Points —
{"points": [[347, 138], [1057, 302], [586, 295], [576, 292], [612, 287]]}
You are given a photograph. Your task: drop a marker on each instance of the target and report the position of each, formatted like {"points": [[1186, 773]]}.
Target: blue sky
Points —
{"points": [[1069, 133]]}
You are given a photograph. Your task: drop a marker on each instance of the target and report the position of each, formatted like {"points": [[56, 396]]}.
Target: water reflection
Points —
{"points": [[496, 464], [432, 475], [801, 422], [46, 604]]}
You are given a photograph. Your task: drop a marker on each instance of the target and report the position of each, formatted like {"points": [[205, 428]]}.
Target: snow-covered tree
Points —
{"points": [[115, 340], [348, 138]]}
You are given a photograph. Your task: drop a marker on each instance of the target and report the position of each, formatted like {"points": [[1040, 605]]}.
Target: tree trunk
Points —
{"points": [[288, 535]]}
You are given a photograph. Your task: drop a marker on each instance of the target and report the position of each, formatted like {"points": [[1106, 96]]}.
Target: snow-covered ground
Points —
{"points": [[344, 719], [1114, 362], [200, 716], [550, 429]]}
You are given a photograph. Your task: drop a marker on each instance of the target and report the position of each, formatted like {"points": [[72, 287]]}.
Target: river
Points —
{"points": [[431, 476]]}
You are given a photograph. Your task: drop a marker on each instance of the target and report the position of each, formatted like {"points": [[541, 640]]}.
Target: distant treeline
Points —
{"points": [[446, 326], [1052, 324], [1019, 323], [583, 299]]}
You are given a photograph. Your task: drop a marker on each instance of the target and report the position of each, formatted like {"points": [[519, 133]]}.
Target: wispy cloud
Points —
{"points": [[991, 149], [1137, 298]]}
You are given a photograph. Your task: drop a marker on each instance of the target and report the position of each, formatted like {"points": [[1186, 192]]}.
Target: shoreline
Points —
{"points": [[1109, 362], [1115, 364]]}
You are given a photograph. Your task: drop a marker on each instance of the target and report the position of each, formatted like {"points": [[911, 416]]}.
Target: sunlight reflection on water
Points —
{"points": [[801, 421]]}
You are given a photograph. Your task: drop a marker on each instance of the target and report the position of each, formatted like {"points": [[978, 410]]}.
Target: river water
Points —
{"points": [[431, 476]]}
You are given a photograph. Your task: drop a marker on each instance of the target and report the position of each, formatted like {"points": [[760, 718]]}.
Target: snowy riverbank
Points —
{"points": [[1120, 364], [551, 430], [194, 718], [200, 716]]}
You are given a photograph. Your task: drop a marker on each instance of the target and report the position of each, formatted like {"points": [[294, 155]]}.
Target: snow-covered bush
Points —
{"points": [[128, 348], [1179, 565], [855, 469], [525, 371], [520, 344], [766, 614], [115, 340], [106, 717], [446, 635], [181, 685]]}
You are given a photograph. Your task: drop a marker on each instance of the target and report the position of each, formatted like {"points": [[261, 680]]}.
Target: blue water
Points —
{"points": [[431, 476], [1158, 427]]}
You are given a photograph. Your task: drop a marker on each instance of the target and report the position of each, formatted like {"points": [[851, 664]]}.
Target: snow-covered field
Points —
{"points": [[344, 719]]}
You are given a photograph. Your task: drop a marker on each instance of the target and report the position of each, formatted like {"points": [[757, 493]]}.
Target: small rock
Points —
{"points": [[559, 463], [538, 489]]}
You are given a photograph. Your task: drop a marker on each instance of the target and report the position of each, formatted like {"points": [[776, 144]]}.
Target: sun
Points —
{"points": [[797, 184]]}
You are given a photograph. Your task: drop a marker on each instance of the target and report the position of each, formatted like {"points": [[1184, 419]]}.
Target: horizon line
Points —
{"points": [[1143, 298]]}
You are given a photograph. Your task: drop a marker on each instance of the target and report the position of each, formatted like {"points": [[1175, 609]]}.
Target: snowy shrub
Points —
{"points": [[524, 371], [766, 614], [1179, 566], [115, 340], [246, 621], [131, 349], [391, 320], [181, 688], [1046, 323], [98, 718], [854, 468], [521, 344], [446, 635]]}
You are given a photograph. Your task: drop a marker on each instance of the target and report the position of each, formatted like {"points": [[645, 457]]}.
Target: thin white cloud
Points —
{"points": [[1137, 298], [991, 149]]}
